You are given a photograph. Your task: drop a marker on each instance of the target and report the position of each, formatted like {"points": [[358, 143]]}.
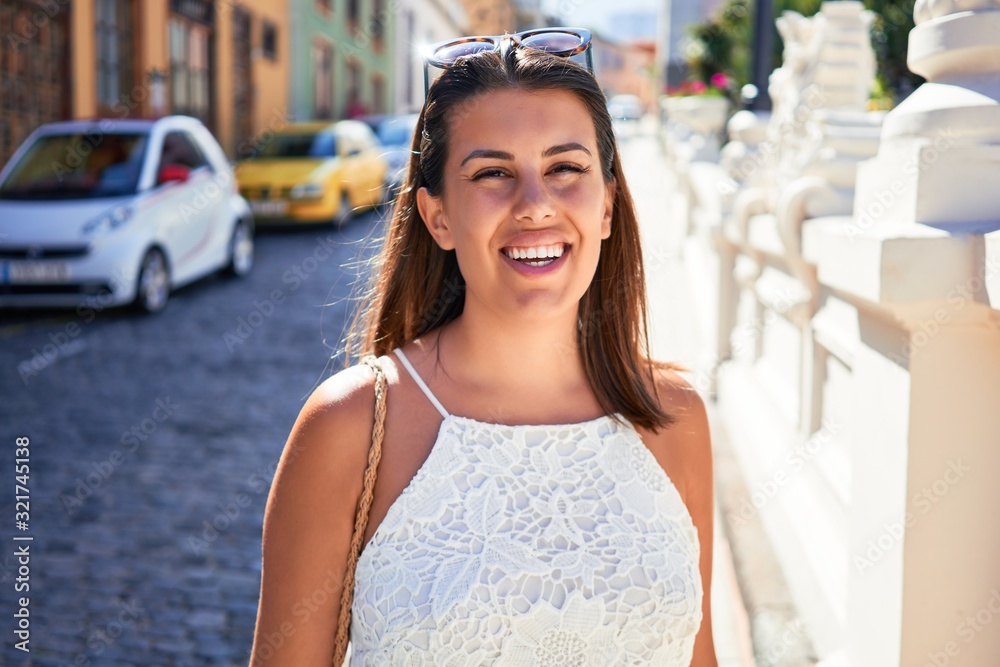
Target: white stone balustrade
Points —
{"points": [[858, 342], [805, 164], [914, 276], [693, 126]]}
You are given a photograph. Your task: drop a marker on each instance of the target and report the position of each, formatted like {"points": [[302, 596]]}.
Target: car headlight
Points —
{"points": [[307, 191], [109, 221]]}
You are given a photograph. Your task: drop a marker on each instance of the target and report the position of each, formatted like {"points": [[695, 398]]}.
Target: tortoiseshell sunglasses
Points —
{"points": [[560, 41]]}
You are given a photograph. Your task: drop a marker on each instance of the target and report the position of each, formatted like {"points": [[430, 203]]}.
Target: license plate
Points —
{"points": [[35, 272], [271, 208]]}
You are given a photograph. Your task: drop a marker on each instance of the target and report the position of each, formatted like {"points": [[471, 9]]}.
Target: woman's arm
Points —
{"points": [[309, 520], [688, 446], [700, 497]]}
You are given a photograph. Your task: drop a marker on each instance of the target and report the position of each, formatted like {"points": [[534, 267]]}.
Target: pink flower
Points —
{"points": [[698, 87], [719, 80]]}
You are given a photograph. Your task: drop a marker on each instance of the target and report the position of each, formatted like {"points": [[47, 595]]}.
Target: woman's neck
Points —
{"points": [[509, 356]]}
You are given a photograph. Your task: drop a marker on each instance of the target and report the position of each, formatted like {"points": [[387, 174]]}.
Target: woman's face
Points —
{"points": [[524, 204]]}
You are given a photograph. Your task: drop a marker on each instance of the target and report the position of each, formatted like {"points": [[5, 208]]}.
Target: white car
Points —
{"points": [[116, 211]]}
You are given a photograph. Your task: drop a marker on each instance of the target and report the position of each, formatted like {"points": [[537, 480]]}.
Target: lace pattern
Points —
{"points": [[531, 545]]}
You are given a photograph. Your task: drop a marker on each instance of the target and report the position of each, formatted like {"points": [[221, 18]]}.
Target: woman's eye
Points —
{"points": [[488, 173], [569, 168], [563, 168]]}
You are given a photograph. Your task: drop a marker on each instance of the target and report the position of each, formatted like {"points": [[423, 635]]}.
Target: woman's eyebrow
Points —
{"points": [[487, 153], [503, 155], [565, 148]]}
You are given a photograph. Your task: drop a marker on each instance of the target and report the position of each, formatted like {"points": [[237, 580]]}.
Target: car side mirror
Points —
{"points": [[173, 173]]}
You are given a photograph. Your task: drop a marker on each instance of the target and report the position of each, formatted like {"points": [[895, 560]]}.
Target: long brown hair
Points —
{"points": [[417, 287]]}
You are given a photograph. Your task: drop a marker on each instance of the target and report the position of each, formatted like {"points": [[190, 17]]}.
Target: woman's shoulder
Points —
{"points": [[676, 394], [333, 430], [344, 388], [685, 446], [344, 401]]}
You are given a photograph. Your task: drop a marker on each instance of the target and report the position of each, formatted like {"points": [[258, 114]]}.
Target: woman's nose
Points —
{"points": [[534, 201]]}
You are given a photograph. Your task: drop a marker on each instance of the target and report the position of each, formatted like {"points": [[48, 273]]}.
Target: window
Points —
{"points": [[354, 78], [355, 107], [113, 45], [378, 94], [109, 165], [181, 148], [377, 26], [269, 41], [322, 57], [242, 100], [189, 68], [284, 144]]}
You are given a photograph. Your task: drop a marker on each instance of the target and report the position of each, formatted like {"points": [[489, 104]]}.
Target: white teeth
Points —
{"points": [[536, 252]]}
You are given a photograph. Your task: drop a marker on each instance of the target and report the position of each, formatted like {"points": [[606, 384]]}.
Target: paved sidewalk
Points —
{"points": [[676, 328]]}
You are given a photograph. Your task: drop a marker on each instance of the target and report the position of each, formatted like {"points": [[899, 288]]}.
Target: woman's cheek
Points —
{"points": [[578, 194]]}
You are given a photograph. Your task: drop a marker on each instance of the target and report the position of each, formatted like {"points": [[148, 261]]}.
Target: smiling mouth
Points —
{"points": [[536, 255]]}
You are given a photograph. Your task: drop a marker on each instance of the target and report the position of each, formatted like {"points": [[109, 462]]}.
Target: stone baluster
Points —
{"points": [[916, 273]]}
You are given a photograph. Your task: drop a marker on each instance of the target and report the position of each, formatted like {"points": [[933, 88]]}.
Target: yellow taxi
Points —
{"points": [[315, 172]]}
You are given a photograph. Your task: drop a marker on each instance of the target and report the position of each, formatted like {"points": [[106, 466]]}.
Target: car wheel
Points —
{"points": [[344, 212], [154, 283], [241, 250]]}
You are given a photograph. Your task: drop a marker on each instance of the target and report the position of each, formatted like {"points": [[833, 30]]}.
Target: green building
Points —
{"points": [[340, 54]]}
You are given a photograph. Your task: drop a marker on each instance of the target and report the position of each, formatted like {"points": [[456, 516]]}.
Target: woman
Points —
{"points": [[558, 484]]}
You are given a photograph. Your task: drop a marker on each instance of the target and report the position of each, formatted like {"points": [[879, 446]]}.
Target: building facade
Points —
{"points": [[529, 14], [341, 59], [223, 62], [491, 17], [626, 68], [34, 66]]}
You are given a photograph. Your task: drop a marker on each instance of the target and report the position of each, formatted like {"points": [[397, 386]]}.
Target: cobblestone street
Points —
{"points": [[153, 444]]}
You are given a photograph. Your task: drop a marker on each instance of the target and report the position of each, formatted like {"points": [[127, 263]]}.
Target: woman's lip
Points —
{"points": [[537, 270]]}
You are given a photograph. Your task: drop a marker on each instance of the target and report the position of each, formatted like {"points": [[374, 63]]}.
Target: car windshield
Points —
{"points": [[312, 144], [77, 166], [397, 132]]}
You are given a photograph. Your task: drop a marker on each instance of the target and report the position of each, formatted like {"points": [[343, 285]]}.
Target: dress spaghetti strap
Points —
{"points": [[420, 382]]}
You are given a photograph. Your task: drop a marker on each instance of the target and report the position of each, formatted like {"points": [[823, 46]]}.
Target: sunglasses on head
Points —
{"points": [[564, 42]]}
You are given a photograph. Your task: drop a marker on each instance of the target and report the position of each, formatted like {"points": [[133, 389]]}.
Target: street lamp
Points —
{"points": [[763, 48]]}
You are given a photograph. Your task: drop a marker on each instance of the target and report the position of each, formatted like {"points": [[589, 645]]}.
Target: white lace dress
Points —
{"points": [[530, 545]]}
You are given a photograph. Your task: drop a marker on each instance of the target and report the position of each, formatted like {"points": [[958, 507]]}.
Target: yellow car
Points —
{"points": [[317, 172]]}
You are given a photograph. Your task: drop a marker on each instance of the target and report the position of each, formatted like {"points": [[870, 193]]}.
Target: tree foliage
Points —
{"points": [[724, 43]]}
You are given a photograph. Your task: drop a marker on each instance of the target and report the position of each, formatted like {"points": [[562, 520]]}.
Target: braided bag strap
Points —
{"points": [[361, 517]]}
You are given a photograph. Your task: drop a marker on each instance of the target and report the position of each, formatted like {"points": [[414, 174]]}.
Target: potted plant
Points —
{"points": [[703, 109]]}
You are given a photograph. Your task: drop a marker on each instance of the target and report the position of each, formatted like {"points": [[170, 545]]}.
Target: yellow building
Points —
{"points": [[223, 61], [491, 17]]}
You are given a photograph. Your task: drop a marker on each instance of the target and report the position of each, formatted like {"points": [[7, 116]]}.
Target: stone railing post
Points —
{"points": [[919, 262]]}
